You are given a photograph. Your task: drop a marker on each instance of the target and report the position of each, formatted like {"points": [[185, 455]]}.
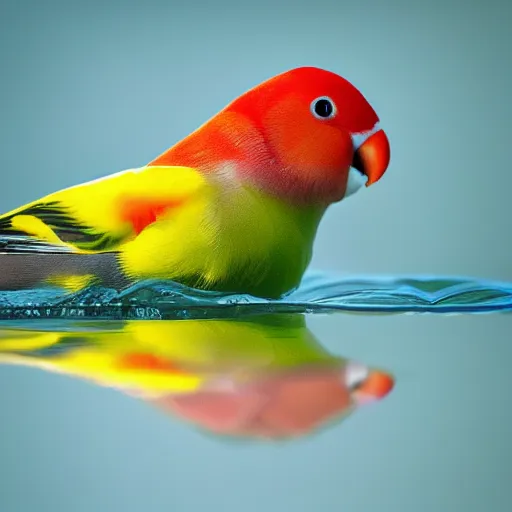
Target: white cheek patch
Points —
{"points": [[359, 138], [355, 375], [356, 180]]}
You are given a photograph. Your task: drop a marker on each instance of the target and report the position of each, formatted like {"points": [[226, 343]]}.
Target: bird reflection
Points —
{"points": [[262, 377]]}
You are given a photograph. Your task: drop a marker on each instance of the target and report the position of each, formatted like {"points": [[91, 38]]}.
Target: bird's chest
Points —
{"points": [[261, 248]]}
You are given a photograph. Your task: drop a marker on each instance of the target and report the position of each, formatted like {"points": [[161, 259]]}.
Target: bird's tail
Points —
{"points": [[25, 269]]}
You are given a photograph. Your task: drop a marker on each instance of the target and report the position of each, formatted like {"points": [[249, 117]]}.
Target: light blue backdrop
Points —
{"points": [[90, 88]]}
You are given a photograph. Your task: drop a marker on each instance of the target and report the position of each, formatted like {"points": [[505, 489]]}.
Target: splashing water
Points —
{"points": [[318, 293]]}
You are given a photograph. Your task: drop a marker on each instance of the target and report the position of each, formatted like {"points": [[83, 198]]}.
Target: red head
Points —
{"points": [[301, 134]]}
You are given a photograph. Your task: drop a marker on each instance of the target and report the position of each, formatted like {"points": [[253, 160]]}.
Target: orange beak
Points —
{"points": [[376, 386], [372, 157]]}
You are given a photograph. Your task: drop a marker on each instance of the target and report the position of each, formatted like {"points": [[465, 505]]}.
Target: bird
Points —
{"points": [[233, 207], [279, 383]]}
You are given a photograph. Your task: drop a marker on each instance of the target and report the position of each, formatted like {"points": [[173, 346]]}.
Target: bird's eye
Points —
{"points": [[323, 108]]}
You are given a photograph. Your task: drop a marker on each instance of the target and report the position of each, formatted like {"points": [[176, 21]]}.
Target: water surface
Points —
{"points": [[318, 292], [264, 377], [158, 404]]}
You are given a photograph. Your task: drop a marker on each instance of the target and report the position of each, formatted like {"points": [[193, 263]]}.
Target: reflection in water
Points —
{"points": [[264, 377]]}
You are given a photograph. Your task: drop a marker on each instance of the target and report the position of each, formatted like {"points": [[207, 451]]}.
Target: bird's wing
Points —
{"points": [[99, 215]]}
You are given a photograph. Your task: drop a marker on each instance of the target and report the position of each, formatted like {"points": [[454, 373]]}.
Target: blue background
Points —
{"points": [[91, 88]]}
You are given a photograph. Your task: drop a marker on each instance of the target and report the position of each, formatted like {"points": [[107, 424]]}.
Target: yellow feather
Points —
{"points": [[97, 202], [35, 227], [206, 231], [72, 283]]}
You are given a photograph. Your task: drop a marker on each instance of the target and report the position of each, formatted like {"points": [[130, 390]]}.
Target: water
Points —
{"points": [[197, 412], [215, 391], [266, 377], [319, 292]]}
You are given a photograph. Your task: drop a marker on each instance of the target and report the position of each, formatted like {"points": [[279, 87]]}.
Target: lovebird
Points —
{"points": [[234, 206], [264, 377]]}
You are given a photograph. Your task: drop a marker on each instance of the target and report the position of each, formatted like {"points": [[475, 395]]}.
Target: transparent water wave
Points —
{"points": [[318, 293]]}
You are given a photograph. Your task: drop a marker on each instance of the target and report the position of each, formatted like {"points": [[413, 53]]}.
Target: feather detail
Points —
{"points": [[101, 215]]}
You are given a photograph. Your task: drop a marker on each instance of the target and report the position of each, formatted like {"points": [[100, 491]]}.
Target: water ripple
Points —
{"points": [[318, 293]]}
